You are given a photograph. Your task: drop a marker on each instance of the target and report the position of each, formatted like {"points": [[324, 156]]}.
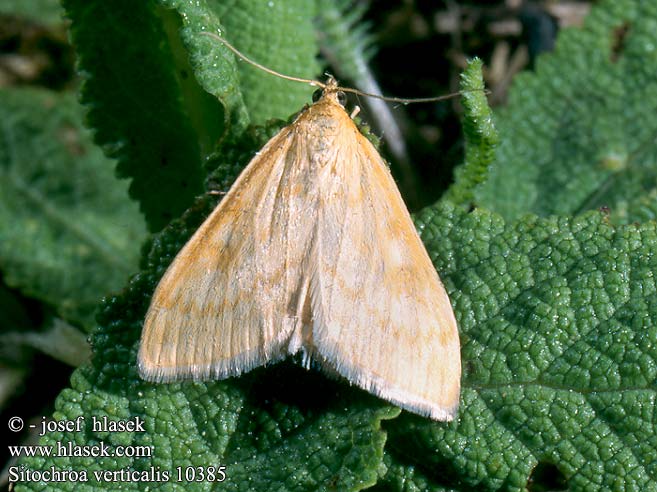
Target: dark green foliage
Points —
{"points": [[69, 234], [578, 134], [133, 90]]}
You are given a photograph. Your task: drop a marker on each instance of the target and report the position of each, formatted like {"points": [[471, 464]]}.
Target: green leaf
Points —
{"points": [[143, 103], [151, 76], [578, 133], [278, 35], [639, 208], [68, 235], [557, 318], [481, 137]]}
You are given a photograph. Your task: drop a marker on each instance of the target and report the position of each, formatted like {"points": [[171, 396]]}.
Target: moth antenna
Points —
{"points": [[317, 83], [403, 100], [243, 57]]}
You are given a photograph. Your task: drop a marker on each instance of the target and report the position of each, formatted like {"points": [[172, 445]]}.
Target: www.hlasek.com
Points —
{"points": [[143, 473]]}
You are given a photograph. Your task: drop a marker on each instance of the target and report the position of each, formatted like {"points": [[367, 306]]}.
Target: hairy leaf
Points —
{"points": [[557, 318], [481, 137], [134, 91], [578, 133], [150, 75], [68, 234], [278, 35]]}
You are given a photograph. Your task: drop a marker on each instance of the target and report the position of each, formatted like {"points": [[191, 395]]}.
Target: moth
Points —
{"points": [[311, 250]]}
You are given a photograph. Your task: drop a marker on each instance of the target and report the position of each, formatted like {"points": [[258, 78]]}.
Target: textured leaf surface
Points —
{"points": [[153, 80], [558, 327], [480, 134], [133, 89], [278, 35], [68, 234], [557, 320], [579, 133]]}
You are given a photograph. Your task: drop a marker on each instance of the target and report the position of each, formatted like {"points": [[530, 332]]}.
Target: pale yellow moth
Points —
{"points": [[311, 250]]}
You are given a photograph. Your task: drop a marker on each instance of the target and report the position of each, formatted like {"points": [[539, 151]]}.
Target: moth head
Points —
{"points": [[340, 96], [331, 89]]}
